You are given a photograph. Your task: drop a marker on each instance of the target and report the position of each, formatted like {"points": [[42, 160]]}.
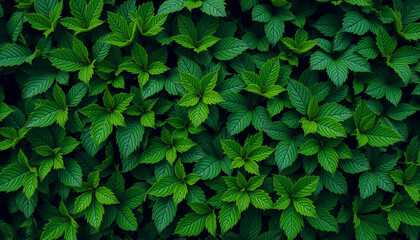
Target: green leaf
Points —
{"points": [[337, 71], [310, 147], [368, 183], [238, 121], [53, 229], [214, 8], [208, 167], [319, 60], [355, 63], [406, 55], [412, 31], [329, 127], [164, 186], [12, 177], [358, 163], [305, 186], [199, 207], [191, 225], [72, 174], [44, 115], [66, 60], [261, 13], [14, 54], [94, 214], [170, 6], [324, 222], [328, 24], [356, 23], [305, 207], [283, 185], [385, 43], [129, 137], [229, 216], [381, 136], [100, 129], [291, 222], [105, 196], [260, 199], [229, 48], [364, 231], [126, 219], [30, 184], [180, 192], [163, 213], [286, 153], [335, 183], [231, 148], [274, 30], [334, 110], [153, 154], [82, 202], [198, 113], [15, 25], [367, 48], [300, 96], [328, 159]]}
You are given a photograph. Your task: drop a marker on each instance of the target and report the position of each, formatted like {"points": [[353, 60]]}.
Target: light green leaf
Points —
{"points": [[94, 214], [305, 207], [328, 159], [291, 222], [105, 196]]}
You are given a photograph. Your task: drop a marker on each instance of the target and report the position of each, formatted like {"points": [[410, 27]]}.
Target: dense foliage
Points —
{"points": [[212, 119]]}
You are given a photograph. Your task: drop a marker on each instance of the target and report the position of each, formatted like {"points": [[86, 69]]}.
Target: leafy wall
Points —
{"points": [[213, 119]]}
